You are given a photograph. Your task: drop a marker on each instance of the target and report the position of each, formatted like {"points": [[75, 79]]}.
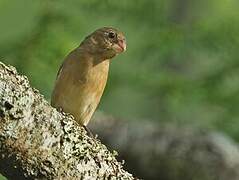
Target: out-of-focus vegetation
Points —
{"points": [[181, 66]]}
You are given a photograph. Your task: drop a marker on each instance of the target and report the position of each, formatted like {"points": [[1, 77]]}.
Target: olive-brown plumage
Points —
{"points": [[83, 75]]}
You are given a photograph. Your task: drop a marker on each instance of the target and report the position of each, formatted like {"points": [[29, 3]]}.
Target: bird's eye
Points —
{"points": [[111, 35]]}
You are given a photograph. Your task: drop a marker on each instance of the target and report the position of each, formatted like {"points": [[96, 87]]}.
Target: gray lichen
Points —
{"points": [[38, 142]]}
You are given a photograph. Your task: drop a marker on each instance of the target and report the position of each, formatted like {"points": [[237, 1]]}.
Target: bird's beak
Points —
{"points": [[120, 46]]}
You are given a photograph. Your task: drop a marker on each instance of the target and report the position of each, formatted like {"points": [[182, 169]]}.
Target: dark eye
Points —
{"points": [[112, 35]]}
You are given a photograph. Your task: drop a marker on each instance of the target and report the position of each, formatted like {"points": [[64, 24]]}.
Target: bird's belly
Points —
{"points": [[84, 97], [81, 102], [85, 106]]}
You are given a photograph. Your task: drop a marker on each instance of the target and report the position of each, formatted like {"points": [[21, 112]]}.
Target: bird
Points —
{"points": [[82, 77]]}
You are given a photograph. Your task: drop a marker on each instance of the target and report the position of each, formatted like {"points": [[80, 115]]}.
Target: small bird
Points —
{"points": [[82, 77]]}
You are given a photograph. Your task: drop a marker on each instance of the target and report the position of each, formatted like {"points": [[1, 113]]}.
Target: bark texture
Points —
{"points": [[38, 142], [169, 152]]}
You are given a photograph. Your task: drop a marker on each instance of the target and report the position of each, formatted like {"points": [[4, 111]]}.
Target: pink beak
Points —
{"points": [[122, 45]]}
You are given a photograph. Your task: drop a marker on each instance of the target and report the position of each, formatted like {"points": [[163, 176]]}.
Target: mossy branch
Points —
{"points": [[38, 142]]}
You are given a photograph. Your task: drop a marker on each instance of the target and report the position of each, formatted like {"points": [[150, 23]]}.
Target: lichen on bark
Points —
{"points": [[38, 142]]}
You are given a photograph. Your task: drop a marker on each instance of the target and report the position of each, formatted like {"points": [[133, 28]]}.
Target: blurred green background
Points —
{"points": [[181, 65], [182, 62]]}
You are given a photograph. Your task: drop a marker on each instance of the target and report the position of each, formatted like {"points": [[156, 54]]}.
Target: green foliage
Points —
{"points": [[181, 65], [2, 178]]}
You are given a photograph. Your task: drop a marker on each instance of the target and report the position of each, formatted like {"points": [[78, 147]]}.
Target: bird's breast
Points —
{"points": [[80, 85], [94, 78], [89, 89]]}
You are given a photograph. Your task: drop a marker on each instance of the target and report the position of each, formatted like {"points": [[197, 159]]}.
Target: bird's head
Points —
{"points": [[105, 43]]}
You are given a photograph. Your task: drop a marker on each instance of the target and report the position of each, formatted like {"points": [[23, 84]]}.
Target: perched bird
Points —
{"points": [[82, 77]]}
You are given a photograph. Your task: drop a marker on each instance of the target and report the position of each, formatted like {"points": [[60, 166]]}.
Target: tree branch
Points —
{"points": [[38, 142], [169, 152]]}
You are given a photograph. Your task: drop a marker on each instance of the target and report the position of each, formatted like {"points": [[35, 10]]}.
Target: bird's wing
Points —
{"points": [[59, 70]]}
